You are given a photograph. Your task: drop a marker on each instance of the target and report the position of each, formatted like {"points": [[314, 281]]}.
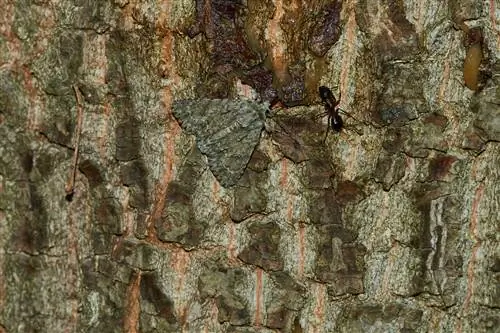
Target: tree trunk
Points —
{"points": [[165, 167]]}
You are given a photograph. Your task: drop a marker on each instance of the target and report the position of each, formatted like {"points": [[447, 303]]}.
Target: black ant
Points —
{"points": [[335, 121]]}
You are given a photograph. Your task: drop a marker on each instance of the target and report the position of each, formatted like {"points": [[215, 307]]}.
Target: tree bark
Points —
{"points": [[113, 215]]}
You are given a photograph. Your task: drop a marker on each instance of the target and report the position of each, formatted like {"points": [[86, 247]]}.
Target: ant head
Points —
{"points": [[326, 94]]}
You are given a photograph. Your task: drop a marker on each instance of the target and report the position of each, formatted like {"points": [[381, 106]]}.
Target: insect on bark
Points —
{"points": [[227, 132], [332, 110]]}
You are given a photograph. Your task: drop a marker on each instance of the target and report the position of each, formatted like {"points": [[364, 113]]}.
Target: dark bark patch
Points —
{"points": [[326, 31], [263, 250], [340, 261], [400, 99], [133, 173], [259, 161], [233, 311], [250, 195], [32, 235], [221, 284], [348, 191], [57, 69], [27, 161], [318, 174], [297, 137], [368, 315], [437, 120], [178, 223], [495, 266], [487, 121], [292, 90], [324, 208], [440, 166], [13, 106], [278, 318], [261, 79], [91, 171], [178, 193], [191, 170], [396, 114], [401, 41], [108, 215], [152, 292], [389, 170], [292, 148], [285, 299], [59, 120], [136, 254], [394, 140], [128, 140]]}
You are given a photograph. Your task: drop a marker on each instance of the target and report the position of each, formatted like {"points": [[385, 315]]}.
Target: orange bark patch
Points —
{"points": [[284, 173], [232, 242], [258, 297], [171, 132], [302, 248], [319, 309], [133, 307], [276, 43], [477, 245], [350, 39]]}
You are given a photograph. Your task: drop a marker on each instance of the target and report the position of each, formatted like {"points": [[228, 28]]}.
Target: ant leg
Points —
{"points": [[338, 101], [351, 116], [347, 114], [322, 114], [353, 129]]}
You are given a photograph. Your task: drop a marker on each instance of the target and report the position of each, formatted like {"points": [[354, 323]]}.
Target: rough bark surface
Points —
{"points": [[391, 225]]}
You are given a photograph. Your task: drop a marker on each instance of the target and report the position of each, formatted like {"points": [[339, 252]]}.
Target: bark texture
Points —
{"points": [[390, 226]]}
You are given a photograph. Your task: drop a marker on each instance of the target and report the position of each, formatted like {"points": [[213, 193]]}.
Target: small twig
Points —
{"points": [[70, 184]]}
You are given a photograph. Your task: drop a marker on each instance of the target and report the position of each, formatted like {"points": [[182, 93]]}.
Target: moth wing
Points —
{"points": [[226, 131]]}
